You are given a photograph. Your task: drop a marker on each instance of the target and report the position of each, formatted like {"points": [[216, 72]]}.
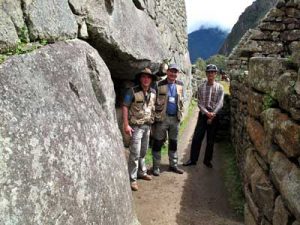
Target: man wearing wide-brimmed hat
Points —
{"points": [[138, 114]]}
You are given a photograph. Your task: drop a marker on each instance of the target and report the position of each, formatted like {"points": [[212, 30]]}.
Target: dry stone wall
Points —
{"points": [[62, 64], [265, 108]]}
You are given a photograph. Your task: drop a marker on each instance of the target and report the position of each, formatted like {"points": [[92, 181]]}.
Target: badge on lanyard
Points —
{"points": [[172, 99], [147, 110]]}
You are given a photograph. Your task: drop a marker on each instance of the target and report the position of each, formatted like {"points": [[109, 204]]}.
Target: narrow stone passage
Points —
{"points": [[197, 197]]}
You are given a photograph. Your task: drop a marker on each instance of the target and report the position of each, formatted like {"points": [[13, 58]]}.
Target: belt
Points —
{"points": [[172, 115]]}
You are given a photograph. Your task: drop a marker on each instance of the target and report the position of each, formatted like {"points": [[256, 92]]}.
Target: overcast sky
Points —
{"points": [[212, 13]]}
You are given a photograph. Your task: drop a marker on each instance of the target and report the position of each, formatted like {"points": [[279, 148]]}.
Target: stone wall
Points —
{"points": [[265, 108], [62, 66]]}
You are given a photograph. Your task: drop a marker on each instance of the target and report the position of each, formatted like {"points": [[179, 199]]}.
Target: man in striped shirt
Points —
{"points": [[210, 101]]}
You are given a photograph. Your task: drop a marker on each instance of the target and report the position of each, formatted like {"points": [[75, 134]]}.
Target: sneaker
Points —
{"points": [[156, 172], [134, 186], [146, 177], [176, 170]]}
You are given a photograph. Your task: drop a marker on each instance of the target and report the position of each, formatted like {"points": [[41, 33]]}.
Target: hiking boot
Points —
{"points": [[156, 172], [175, 169], [146, 177], [134, 186]]}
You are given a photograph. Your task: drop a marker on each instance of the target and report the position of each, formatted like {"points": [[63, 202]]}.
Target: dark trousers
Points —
{"points": [[199, 133]]}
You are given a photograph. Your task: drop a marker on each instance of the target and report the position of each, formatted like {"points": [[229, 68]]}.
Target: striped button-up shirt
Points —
{"points": [[210, 97]]}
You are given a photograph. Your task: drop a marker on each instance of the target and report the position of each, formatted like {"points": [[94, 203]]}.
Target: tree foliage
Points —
{"points": [[218, 60], [200, 64]]}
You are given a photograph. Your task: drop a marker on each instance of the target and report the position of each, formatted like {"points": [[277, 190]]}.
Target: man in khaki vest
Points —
{"points": [[138, 115], [168, 113]]}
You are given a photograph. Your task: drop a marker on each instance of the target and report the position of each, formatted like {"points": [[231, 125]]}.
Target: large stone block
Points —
{"points": [[251, 204], [274, 15], [287, 136], [11, 24], [285, 91], [50, 19], [271, 117], [290, 191], [263, 192], [258, 136], [248, 217], [250, 163], [271, 47], [279, 167], [13, 8], [61, 153], [281, 214], [295, 49], [8, 34], [264, 72], [271, 26], [148, 41], [291, 35], [255, 103]]}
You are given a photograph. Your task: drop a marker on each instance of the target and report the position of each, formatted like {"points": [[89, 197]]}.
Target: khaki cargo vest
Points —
{"points": [[162, 100], [142, 110]]}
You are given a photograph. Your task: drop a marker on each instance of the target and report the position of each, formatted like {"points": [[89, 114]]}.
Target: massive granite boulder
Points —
{"points": [[61, 153]]}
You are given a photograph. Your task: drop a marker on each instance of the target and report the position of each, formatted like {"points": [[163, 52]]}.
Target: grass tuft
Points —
{"points": [[226, 86], [232, 178]]}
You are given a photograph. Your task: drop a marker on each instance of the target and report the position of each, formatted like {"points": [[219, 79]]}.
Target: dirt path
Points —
{"points": [[197, 197]]}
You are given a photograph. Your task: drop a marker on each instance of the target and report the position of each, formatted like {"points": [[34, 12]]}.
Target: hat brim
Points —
{"points": [[153, 76], [211, 70], [173, 68]]}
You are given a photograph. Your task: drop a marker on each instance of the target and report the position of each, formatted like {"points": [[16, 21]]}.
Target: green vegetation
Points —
{"points": [[226, 87], [218, 60], [2, 58], [43, 41], [21, 48], [200, 64], [191, 109], [232, 178], [268, 102], [23, 45], [164, 151], [23, 35]]}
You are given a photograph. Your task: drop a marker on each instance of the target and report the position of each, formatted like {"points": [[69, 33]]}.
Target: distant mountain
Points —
{"points": [[247, 20], [205, 42]]}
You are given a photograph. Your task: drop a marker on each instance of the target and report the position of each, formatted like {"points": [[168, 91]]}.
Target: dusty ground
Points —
{"points": [[197, 197]]}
